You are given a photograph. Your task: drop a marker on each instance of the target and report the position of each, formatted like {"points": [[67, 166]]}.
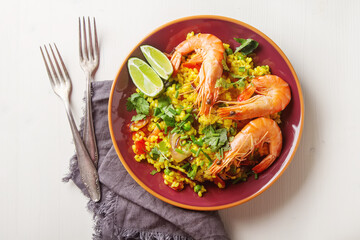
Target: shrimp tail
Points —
{"points": [[264, 164], [175, 61]]}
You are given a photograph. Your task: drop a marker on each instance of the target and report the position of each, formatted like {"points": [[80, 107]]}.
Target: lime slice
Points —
{"points": [[144, 77], [158, 61]]}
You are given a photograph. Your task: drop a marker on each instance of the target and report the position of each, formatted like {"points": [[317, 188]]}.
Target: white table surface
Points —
{"points": [[317, 197]]}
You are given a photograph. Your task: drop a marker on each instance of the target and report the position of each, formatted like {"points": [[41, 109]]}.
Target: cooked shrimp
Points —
{"points": [[254, 135], [273, 96], [210, 50]]}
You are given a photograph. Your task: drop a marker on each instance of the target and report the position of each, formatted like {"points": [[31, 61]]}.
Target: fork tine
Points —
{"points": [[80, 41], [57, 65], [90, 40], [47, 68], [62, 64], [85, 41], [96, 40], [52, 66]]}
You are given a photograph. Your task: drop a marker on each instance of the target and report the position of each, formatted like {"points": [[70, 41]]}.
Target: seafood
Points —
{"points": [[210, 51], [273, 95], [254, 135], [191, 140]]}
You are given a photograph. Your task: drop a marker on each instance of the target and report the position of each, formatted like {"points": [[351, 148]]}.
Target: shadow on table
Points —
{"points": [[288, 185]]}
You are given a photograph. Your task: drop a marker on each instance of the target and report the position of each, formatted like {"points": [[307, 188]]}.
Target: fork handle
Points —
{"points": [[89, 133], [88, 172]]}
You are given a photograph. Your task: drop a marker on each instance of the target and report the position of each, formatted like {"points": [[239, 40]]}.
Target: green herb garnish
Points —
{"points": [[186, 166], [229, 51], [138, 117], [222, 82], [247, 45], [138, 103], [169, 121], [167, 171], [153, 172], [193, 171], [242, 69], [215, 138], [163, 148], [207, 156], [163, 101], [179, 151], [157, 111], [158, 126], [155, 153]]}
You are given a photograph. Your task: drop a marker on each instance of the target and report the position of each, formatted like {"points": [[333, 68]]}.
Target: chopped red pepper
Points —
{"points": [[140, 146]]}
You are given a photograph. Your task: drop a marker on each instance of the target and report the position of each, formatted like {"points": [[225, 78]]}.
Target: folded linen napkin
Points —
{"points": [[126, 210]]}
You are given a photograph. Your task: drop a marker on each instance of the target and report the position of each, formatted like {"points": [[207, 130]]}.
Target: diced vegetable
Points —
{"points": [[140, 146], [197, 188]]}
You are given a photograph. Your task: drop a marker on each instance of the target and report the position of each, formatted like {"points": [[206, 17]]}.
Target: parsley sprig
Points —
{"points": [[247, 45], [138, 103], [222, 82], [216, 139]]}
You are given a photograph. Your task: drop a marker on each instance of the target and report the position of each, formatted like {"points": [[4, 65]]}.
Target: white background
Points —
{"points": [[317, 197]]}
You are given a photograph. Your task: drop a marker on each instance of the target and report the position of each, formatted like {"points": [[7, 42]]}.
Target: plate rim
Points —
{"points": [[276, 176]]}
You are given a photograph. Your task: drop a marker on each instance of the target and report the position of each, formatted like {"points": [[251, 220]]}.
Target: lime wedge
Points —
{"points": [[144, 77], [158, 61]]}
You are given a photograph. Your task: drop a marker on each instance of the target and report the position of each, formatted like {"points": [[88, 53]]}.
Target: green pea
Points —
{"points": [[178, 111], [187, 126], [197, 188]]}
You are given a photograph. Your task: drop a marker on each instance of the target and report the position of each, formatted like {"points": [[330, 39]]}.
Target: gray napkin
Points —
{"points": [[126, 210]]}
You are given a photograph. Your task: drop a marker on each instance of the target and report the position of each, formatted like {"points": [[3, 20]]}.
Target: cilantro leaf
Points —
{"points": [[163, 101], [169, 121], [137, 102], [155, 153], [216, 139], [247, 45], [142, 106], [138, 117], [222, 82], [163, 148], [223, 136]]}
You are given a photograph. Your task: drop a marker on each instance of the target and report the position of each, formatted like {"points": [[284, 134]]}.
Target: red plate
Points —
{"points": [[166, 38]]}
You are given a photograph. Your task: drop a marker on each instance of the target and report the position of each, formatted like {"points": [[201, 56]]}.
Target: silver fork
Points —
{"points": [[89, 61], [62, 88]]}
